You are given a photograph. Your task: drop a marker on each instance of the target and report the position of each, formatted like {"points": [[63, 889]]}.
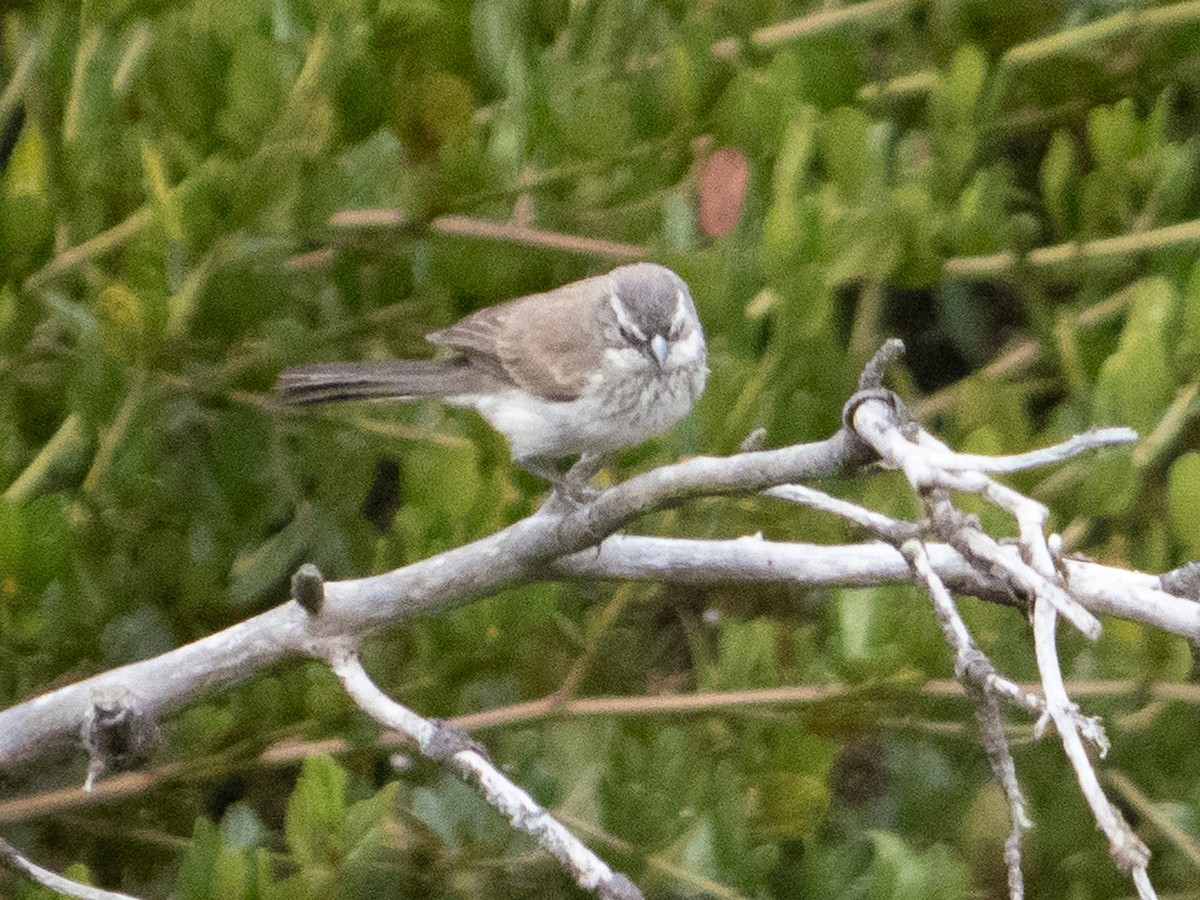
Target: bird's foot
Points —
{"points": [[572, 487], [576, 486], [574, 493]]}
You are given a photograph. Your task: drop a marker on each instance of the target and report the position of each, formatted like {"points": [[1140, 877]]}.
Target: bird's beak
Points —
{"points": [[661, 350]]}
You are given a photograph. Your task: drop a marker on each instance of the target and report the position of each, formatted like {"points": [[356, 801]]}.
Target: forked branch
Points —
{"points": [[947, 552]]}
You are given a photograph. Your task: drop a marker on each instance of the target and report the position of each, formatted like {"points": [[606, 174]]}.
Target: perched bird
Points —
{"points": [[582, 370]]}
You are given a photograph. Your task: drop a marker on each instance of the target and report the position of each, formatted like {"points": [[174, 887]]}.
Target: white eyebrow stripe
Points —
{"points": [[681, 311], [623, 319]]}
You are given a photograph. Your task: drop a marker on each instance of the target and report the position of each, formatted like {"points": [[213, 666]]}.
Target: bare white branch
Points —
{"points": [[53, 881], [520, 553], [977, 675], [934, 471], [1096, 439], [892, 530], [876, 422], [580, 542], [589, 871], [1128, 851], [1103, 590], [227, 657]]}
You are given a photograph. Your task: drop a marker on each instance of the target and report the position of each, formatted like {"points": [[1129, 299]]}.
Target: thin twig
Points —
{"points": [[29, 729], [1073, 40], [894, 531], [996, 264], [488, 230], [14, 91], [291, 750], [105, 242], [68, 441], [481, 229], [827, 20], [1061, 43], [923, 459]]}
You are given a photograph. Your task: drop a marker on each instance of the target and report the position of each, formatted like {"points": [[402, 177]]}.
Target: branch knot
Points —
{"points": [[116, 731]]}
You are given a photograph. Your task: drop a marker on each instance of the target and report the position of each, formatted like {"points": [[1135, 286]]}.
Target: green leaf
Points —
{"points": [[1183, 502], [211, 870], [26, 217], [856, 614], [785, 227], [584, 801], [256, 572], [165, 201], [316, 814], [758, 104], [957, 92], [916, 219], [1060, 182], [367, 821], [793, 805], [899, 872], [795, 153], [456, 812], [1114, 135], [36, 542], [852, 159], [433, 477], [254, 92], [696, 850], [123, 321], [1135, 384], [1108, 485], [373, 174], [25, 173], [682, 81], [678, 223], [651, 780], [747, 657], [197, 872], [953, 135], [205, 728], [982, 214]]}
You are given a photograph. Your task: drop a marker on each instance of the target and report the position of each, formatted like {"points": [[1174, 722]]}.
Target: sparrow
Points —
{"points": [[582, 370]]}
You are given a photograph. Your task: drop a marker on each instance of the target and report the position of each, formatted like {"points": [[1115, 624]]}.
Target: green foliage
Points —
{"points": [[1135, 382], [212, 869], [899, 873], [335, 847], [196, 195]]}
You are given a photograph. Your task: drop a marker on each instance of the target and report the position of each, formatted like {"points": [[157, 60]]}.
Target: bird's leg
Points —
{"points": [[586, 468], [575, 485], [571, 485], [547, 469], [543, 467]]}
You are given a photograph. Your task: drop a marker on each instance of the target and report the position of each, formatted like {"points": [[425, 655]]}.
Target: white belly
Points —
{"points": [[598, 421]]}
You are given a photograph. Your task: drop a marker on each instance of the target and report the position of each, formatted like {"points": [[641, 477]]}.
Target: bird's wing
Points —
{"points": [[547, 344]]}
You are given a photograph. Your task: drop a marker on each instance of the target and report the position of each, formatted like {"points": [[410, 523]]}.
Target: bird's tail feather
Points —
{"points": [[398, 380]]}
